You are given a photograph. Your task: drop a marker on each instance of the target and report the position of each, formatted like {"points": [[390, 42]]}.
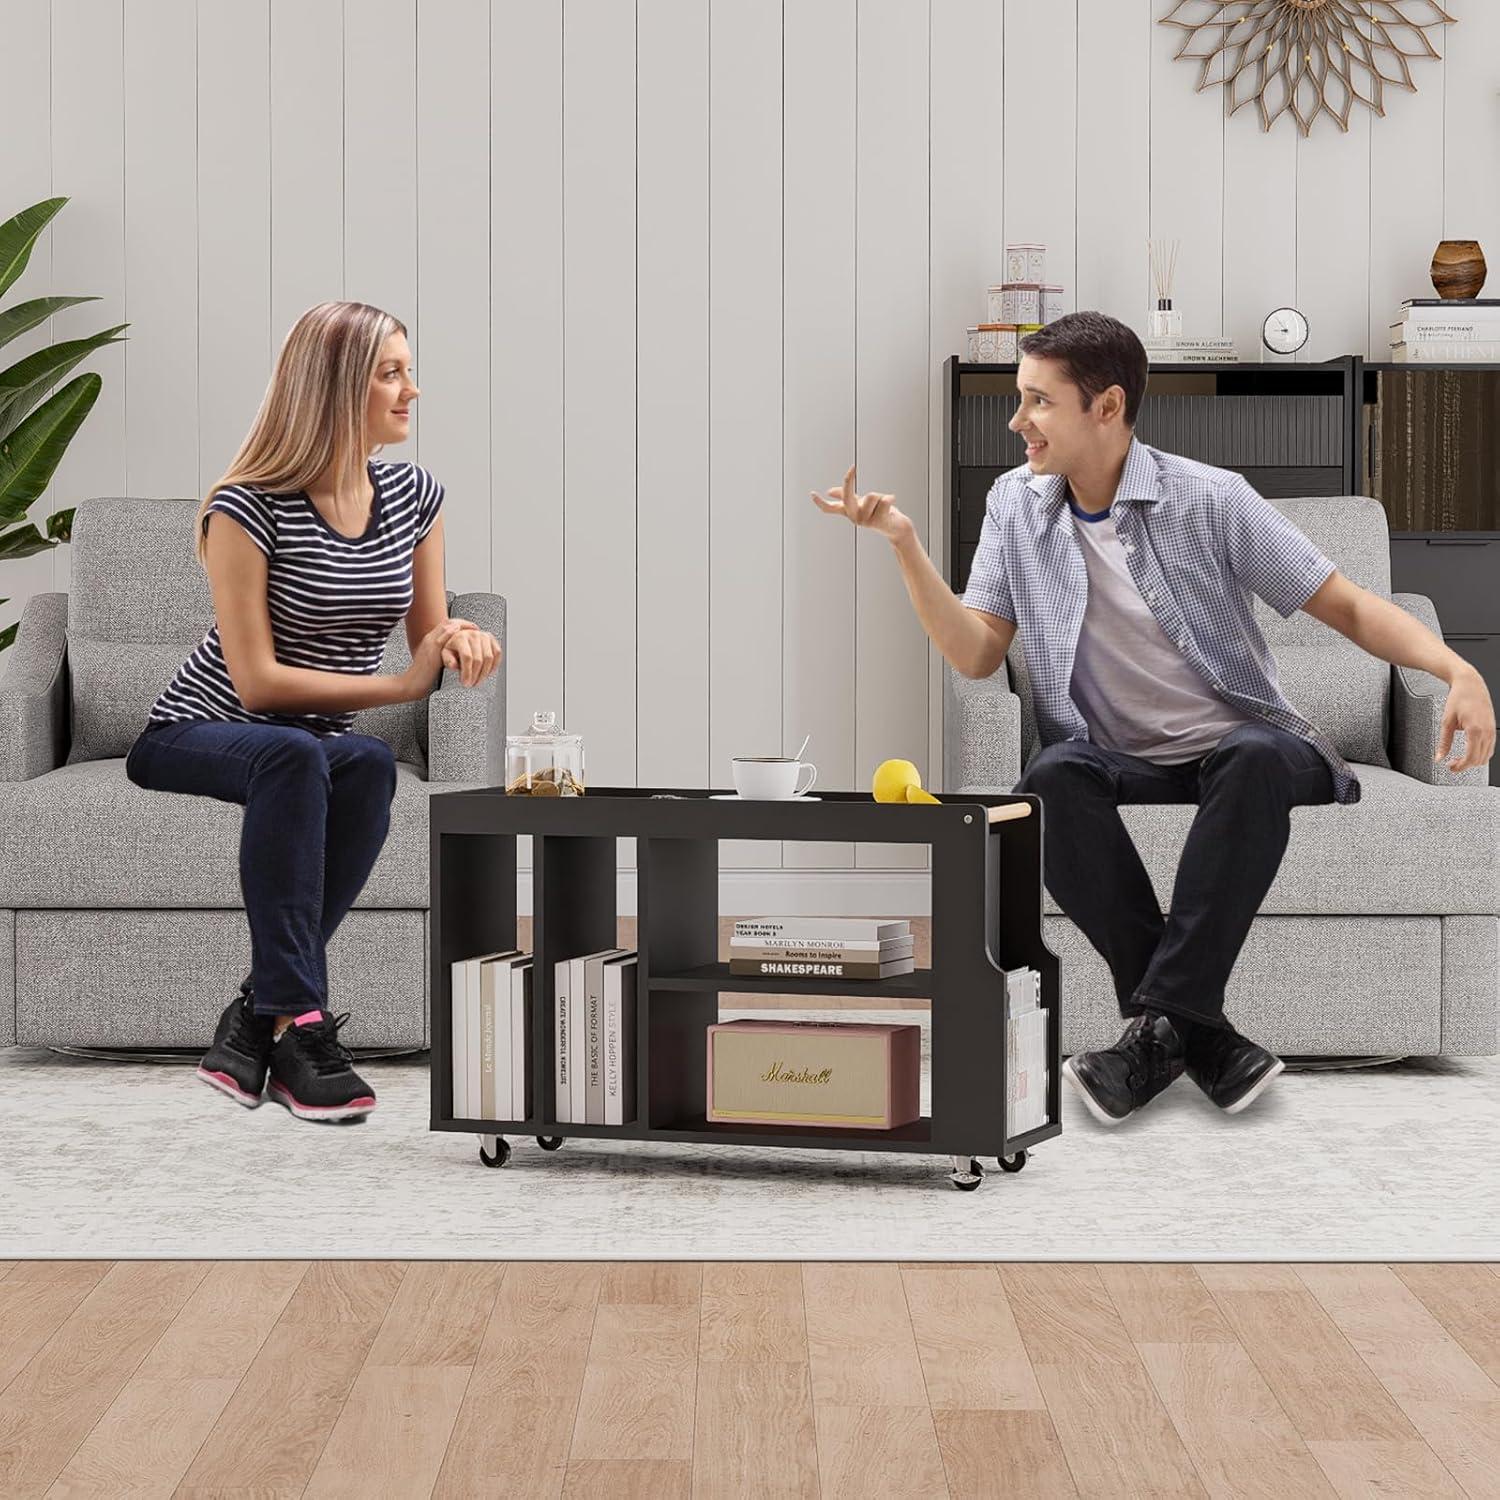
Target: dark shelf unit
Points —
{"points": [[1290, 429], [987, 917]]}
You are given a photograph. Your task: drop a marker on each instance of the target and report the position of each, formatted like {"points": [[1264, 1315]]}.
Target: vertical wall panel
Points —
{"points": [[1187, 181], [88, 236], [820, 364], [599, 286], [1113, 182], [1406, 194], [526, 350], [892, 337], [452, 327], [234, 227], [380, 168], [307, 158], [1042, 130], [25, 178], [161, 253], [1333, 234], [745, 410], [1471, 174], [966, 243], [672, 394], [1260, 225]]}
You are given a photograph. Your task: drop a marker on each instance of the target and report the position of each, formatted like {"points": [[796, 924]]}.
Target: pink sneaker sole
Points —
{"points": [[350, 1111], [226, 1085]]}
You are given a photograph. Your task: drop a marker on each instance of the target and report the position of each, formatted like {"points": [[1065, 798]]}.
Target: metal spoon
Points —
{"points": [[802, 747]]}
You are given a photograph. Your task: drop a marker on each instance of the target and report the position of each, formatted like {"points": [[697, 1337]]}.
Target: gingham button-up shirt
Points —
{"points": [[1196, 539]]}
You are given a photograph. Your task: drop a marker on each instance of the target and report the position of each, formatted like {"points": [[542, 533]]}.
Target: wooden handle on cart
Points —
{"points": [[1010, 812]]}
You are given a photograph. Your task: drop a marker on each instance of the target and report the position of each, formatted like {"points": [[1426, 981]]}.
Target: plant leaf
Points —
{"points": [[31, 454], [26, 315], [18, 235], [22, 541], [60, 524], [29, 379], [8, 635]]}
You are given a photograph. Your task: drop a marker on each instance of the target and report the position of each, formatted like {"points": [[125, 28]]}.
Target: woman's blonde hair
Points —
{"points": [[313, 414]]}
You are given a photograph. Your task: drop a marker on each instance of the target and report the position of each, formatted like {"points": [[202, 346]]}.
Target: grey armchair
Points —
{"points": [[1381, 932], [121, 918]]}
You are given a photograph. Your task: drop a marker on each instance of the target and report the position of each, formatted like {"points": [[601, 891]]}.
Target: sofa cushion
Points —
{"points": [[1403, 848], [86, 836]]}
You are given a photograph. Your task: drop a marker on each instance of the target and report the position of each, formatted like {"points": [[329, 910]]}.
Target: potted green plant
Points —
{"points": [[35, 428]]}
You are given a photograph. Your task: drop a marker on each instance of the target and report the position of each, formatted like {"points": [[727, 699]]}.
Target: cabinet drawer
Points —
{"points": [[1461, 575], [1484, 652]]}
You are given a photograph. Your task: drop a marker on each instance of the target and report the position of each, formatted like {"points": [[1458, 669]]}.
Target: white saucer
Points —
{"points": [[735, 797]]}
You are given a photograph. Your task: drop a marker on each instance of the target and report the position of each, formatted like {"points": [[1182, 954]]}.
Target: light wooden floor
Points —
{"points": [[534, 1379]]}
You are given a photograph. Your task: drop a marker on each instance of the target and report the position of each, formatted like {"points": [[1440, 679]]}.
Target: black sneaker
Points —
{"points": [[1231, 1069], [311, 1072], [1118, 1080], [236, 1062]]}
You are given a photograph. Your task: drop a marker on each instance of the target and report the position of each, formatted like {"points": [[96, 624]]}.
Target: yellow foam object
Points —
{"points": [[899, 781]]}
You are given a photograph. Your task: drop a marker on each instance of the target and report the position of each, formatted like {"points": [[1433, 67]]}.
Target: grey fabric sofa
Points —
{"points": [[1381, 932], [121, 918]]}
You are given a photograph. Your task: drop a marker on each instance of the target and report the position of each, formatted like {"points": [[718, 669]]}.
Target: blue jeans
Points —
{"points": [[317, 810], [1245, 788]]}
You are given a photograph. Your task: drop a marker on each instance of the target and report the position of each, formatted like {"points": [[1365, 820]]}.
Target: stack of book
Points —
{"points": [[1447, 330], [1025, 1052], [490, 1027], [1180, 351], [821, 948], [594, 1028]]}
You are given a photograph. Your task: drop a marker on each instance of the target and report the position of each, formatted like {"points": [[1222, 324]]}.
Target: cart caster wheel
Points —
{"points": [[1013, 1163], [550, 1142], [501, 1154], [966, 1178]]}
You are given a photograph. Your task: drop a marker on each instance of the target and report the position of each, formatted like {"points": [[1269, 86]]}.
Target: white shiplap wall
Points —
{"points": [[668, 267]]}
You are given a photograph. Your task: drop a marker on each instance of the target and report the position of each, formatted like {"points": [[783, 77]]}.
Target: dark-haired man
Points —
{"points": [[1126, 571]]}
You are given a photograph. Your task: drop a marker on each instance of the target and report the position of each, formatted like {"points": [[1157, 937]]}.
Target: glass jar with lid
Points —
{"points": [[545, 761]]}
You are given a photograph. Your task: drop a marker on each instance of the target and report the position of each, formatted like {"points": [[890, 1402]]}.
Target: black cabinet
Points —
{"points": [[1460, 573]]}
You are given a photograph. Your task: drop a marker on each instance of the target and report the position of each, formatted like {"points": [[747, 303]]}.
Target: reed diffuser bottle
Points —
{"points": [[1164, 321]]}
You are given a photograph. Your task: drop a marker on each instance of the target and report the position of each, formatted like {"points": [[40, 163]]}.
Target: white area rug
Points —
{"points": [[121, 1160]]}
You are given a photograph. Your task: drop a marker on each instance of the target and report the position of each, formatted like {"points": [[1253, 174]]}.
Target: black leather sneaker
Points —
{"points": [[311, 1071], [1231, 1069], [1116, 1081], [236, 1062]]}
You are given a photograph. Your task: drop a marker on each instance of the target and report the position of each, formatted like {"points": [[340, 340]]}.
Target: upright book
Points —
{"points": [[465, 1040], [519, 1020], [619, 1039]]}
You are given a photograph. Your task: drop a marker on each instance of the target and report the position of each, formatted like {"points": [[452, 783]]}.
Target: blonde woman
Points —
{"points": [[316, 554]]}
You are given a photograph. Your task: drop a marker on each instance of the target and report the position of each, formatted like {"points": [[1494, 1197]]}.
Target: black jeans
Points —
{"points": [[1245, 788], [317, 810]]}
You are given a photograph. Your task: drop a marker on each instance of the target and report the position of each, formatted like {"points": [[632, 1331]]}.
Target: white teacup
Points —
{"points": [[773, 778]]}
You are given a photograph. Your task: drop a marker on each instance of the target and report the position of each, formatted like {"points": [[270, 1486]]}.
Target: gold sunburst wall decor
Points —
{"points": [[1306, 57]]}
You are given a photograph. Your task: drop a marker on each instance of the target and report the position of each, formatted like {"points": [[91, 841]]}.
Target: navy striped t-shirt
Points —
{"points": [[333, 599]]}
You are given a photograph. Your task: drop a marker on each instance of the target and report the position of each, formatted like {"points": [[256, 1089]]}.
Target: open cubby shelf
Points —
{"points": [[987, 917]]}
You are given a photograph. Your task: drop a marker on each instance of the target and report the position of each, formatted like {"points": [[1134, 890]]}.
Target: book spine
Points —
{"points": [[561, 1047], [577, 1024], [844, 945], [1418, 331], [612, 1111], [1471, 351], [818, 929], [594, 1042], [520, 996], [826, 952], [798, 969], [458, 1013], [500, 1011], [628, 972], [487, 1042]]}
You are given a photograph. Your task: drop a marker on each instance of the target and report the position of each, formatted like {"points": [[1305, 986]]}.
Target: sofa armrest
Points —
{"points": [[34, 691], [466, 725], [981, 732], [1417, 701]]}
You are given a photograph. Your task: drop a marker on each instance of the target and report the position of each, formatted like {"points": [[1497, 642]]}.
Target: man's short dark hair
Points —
{"points": [[1096, 351]]}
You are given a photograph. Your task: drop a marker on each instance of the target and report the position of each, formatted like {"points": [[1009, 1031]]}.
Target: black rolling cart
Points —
{"points": [[986, 918]]}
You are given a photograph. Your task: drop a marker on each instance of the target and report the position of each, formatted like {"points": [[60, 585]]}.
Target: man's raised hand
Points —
{"points": [[875, 511]]}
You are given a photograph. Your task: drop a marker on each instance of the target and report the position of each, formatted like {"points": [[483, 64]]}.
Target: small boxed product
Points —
{"points": [[992, 344], [849, 1075], [1020, 302], [1026, 262], [1052, 303]]}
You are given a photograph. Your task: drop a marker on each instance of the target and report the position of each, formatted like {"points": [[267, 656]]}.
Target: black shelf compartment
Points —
{"points": [[976, 856]]}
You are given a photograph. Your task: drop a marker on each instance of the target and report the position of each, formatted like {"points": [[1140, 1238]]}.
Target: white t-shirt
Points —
{"points": [[1131, 684]]}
